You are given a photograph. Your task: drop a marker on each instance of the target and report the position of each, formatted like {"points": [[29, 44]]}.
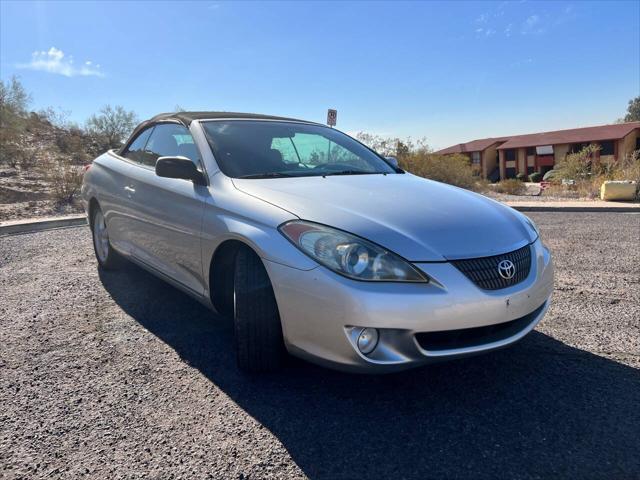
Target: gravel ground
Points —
{"points": [[118, 375]]}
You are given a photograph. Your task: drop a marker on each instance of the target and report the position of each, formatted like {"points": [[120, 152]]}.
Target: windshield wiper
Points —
{"points": [[268, 175], [351, 172]]}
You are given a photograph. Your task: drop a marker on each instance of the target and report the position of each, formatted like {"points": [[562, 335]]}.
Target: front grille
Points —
{"points": [[470, 337], [484, 271]]}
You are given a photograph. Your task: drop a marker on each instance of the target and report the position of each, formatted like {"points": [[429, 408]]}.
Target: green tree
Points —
{"points": [[14, 101], [13, 97], [633, 110], [112, 125]]}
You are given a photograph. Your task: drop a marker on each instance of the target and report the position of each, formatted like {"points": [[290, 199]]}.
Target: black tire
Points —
{"points": [[109, 259], [258, 332]]}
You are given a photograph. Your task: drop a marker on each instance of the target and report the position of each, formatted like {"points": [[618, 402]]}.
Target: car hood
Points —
{"points": [[419, 219]]}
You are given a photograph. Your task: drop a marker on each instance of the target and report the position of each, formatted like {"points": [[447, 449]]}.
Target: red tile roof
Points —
{"points": [[473, 146], [574, 135]]}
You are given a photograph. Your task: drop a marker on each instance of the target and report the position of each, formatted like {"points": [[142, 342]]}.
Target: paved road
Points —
{"points": [[117, 375]]}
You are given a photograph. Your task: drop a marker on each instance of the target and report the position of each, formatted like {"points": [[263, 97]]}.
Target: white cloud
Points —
{"points": [[55, 61], [532, 25], [508, 30], [485, 32], [482, 18]]}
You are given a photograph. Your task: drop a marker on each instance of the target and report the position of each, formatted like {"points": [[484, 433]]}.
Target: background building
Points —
{"points": [[505, 157]]}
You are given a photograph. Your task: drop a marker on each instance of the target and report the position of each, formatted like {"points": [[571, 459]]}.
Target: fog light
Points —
{"points": [[367, 340]]}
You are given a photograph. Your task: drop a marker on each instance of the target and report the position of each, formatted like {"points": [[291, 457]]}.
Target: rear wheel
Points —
{"points": [[258, 332], [107, 257]]}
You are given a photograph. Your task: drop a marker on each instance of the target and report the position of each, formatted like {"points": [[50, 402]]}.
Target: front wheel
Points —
{"points": [[107, 257], [258, 332]]}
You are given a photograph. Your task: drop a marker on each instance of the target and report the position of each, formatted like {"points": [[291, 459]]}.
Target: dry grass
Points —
{"points": [[589, 174], [510, 186], [65, 179], [452, 169]]}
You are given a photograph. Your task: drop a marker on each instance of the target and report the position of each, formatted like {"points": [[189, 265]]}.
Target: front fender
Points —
{"points": [[234, 215]]}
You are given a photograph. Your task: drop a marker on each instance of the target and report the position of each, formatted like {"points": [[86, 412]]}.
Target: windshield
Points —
{"points": [[260, 149]]}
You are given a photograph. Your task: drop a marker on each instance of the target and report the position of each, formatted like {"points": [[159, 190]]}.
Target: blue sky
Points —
{"points": [[449, 72]]}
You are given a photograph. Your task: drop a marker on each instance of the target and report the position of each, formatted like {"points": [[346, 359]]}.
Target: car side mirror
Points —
{"points": [[179, 167], [393, 161]]}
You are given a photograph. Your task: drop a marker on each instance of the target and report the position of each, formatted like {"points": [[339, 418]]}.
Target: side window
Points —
{"points": [[316, 150], [135, 152], [170, 140], [286, 149]]}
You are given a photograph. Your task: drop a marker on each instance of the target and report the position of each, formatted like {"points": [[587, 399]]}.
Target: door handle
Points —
{"points": [[130, 189]]}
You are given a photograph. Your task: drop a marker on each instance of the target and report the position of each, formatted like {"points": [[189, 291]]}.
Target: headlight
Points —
{"points": [[349, 255]]}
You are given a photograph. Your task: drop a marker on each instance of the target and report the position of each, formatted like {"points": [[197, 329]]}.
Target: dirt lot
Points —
{"points": [[118, 375], [27, 194]]}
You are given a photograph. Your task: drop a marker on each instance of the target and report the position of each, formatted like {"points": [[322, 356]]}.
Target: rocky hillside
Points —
{"points": [[41, 167]]}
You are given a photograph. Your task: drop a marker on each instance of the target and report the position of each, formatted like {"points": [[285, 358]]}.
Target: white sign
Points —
{"points": [[332, 116]]}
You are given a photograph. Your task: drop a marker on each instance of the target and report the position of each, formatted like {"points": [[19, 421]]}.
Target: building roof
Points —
{"points": [[574, 135], [473, 146]]}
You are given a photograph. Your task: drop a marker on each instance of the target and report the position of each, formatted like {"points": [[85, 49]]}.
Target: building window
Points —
{"points": [[545, 150], [576, 147], [530, 170], [607, 148], [475, 158], [510, 172], [531, 151], [510, 155], [638, 143]]}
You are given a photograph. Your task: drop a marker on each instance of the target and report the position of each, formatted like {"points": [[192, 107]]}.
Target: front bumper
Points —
{"points": [[322, 312]]}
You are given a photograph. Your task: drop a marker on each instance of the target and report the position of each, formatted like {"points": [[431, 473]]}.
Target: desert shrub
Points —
{"points": [[535, 177], [393, 146], [452, 169], [589, 172], [580, 165], [14, 101], [521, 177], [628, 168], [10, 153], [65, 179], [27, 159], [57, 117], [550, 176], [71, 142], [588, 188], [415, 157], [511, 186], [111, 126]]}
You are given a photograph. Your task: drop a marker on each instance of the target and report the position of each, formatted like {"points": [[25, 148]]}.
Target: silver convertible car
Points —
{"points": [[316, 245]]}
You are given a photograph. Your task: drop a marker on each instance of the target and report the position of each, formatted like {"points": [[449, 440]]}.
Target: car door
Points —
{"points": [[116, 200], [166, 228]]}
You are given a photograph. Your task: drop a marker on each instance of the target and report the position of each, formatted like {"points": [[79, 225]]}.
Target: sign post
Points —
{"points": [[332, 116]]}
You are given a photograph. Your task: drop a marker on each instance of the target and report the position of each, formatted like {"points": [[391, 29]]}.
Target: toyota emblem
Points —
{"points": [[506, 269]]}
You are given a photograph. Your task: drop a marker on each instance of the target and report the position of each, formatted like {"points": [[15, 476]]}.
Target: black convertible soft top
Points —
{"points": [[185, 118], [188, 117]]}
